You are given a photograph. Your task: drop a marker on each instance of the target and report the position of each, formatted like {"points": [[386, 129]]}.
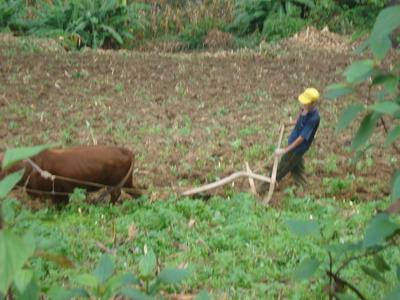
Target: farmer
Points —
{"points": [[299, 140]]}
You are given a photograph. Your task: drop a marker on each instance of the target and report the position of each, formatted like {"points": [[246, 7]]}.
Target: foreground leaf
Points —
{"points": [[396, 186], [365, 131], [393, 135], [14, 252], [104, 269], [16, 154], [380, 46], [393, 295], [337, 90], [147, 264], [203, 295], [386, 107], [387, 21], [378, 229], [373, 273], [87, 280], [60, 293], [359, 71], [173, 275], [345, 296], [398, 272], [119, 281], [32, 292], [306, 269], [134, 294], [22, 279], [303, 227], [8, 183], [348, 115]]}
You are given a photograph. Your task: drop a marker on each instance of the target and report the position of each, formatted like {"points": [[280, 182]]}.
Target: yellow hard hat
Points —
{"points": [[310, 95]]}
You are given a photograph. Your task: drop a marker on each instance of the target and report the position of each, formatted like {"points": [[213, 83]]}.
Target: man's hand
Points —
{"points": [[279, 152]]}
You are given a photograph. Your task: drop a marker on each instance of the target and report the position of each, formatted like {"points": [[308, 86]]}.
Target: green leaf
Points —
{"points": [[306, 269], [60, 293], [32, 292], [147, 264], [22, 279], [398, 272], [380, 263], [365, 131], [359, 71], [393, 295], [134, 294], [387, 21], [113, 33], [396, 186], [362, 47], [345, 296], [303, 227], [119, 281], [173, 275], [380, 46], [14, 252], [203, 295], [13, 155], [373, 273], [393, 135], [87, 280], [386, 107], [389, 81], [378, 229], [337, 90], [9, 210], [104, 269], [344, 248], [8, 183], [348, 115]]}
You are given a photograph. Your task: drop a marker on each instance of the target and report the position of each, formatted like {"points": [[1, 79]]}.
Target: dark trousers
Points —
{"points": [[290, 162], [294, 163]]}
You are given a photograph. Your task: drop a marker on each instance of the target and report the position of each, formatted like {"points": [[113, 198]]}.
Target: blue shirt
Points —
{"points": [[306, 126]]}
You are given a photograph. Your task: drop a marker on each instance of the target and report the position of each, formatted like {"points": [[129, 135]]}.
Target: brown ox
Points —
{"points": [[105, 165]]}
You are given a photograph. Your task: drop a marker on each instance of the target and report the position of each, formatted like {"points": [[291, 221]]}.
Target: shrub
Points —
{"points": [[95, 24], [193, 35], [282, 27], [252, 15], [342, 19], [10, 11]]}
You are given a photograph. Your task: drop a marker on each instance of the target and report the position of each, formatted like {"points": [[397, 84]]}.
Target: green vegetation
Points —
{"points": [[233, 247], [381, 232], [116, 24], [208, 238]]}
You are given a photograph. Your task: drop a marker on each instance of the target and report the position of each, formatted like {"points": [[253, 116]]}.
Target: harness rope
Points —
{"points": [[47, 175]]}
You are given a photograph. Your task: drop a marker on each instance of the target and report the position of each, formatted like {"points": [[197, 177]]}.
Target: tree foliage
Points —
{"points": [[381, 232]]}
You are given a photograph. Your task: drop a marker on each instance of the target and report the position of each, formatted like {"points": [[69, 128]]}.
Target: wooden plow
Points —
{"points": [[248, 173]]}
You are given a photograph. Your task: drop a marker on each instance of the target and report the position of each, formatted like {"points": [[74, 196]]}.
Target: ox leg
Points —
{"points": [[115, 193]]}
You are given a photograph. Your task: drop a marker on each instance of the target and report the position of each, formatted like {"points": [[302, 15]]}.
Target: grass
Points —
{"points": [[234, 246]]}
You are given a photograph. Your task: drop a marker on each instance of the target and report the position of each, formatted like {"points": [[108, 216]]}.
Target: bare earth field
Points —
{"points": [[191, 118]]}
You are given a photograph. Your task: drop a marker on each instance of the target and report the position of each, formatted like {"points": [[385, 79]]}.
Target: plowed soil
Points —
{"points": [[191, 118]]}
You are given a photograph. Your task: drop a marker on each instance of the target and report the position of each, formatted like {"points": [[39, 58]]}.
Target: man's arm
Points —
{"points": [[289, 148], [293, 145]]}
